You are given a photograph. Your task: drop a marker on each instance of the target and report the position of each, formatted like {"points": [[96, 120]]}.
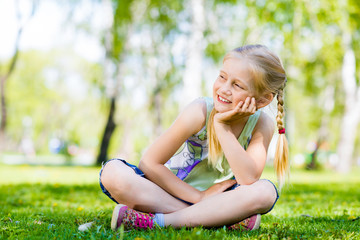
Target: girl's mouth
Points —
{"points": [[223, 100]]}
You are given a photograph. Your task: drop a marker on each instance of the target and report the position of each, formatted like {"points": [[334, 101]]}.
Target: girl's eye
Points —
{"points": [[222, 78], [238, 86]]}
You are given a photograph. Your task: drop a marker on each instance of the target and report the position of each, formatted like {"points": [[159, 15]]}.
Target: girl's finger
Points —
{"points": [[246, 104], [253, 105], [254, 109], [238, 107], [253, 102], [228, 183]]}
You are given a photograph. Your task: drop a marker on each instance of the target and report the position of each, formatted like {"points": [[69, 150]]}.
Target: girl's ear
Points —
{"points": [[265, 100]]}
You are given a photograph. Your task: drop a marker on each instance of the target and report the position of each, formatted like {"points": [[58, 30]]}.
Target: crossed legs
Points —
{"points": [[226, 208], [139, 193]]}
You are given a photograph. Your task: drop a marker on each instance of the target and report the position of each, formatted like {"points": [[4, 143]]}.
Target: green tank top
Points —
{"points": [[190, 162]]}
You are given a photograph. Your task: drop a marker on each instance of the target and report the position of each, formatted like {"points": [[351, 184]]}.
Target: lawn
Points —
{"points": [[51, 202]]}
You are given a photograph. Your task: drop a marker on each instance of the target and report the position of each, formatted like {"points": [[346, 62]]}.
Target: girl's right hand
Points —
{"points": [[243, 109], [217, 188]]}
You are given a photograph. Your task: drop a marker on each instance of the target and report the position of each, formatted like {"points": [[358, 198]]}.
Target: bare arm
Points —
{"points": [[248, 165], [189, 122]]}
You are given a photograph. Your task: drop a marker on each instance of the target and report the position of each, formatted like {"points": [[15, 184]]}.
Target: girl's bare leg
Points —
{"points": [[139, 193], [226, 208]]}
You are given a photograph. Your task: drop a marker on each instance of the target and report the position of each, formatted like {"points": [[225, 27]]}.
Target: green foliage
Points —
{"points": [[164, 13], [122, 21], [230, 2], [215, 50], [307, 35], [273, 12], [42, 90], [315, 205]]}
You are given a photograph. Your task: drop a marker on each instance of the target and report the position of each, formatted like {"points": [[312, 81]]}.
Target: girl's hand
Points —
{"points": [[217, 188], [243, 109]]}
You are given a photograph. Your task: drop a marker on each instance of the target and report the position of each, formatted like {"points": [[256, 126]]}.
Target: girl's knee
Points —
{"points": [[266, 195], [113, 176]]}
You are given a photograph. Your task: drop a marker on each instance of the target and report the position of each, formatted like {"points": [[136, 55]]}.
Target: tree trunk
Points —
{"points": [[3, 80], [113, 68], [193, 65], [109, 129], [13, 62], [351, 115], [323, 133], [3, 106]]}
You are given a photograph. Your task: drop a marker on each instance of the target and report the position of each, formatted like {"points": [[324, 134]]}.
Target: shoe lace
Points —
{"points": [[144, 220], [245, 222]]}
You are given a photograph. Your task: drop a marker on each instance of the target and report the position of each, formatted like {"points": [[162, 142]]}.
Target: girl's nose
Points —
{"points": [[225, 89]]}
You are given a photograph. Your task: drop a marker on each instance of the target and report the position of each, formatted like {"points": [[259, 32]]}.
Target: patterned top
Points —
{"points": [[190, 162]]}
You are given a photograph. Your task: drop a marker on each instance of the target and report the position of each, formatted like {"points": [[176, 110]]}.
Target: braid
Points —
{"points": [[280, 107], [281, 161]]}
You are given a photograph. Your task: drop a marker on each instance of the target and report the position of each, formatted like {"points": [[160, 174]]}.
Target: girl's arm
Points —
{"points": [[248, 165], [189, 122]]}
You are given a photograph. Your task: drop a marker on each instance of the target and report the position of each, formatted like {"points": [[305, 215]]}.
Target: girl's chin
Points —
{"points": [[222, 109]]}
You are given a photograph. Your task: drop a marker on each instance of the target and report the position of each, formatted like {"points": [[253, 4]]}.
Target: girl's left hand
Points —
{"points": [[217, 188], [243, 109]]}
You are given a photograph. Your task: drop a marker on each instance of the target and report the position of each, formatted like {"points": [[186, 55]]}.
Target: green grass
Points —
{"points": [[51, 203]]}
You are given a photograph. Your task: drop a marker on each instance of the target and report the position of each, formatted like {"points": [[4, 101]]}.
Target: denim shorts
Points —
{"points": [[141, 174]]}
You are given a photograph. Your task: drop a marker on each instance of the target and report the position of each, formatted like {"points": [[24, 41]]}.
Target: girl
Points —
{"points": [[205, 169]]}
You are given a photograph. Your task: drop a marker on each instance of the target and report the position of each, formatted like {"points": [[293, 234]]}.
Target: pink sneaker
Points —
{"points": [[131, 219], [250, 223]]}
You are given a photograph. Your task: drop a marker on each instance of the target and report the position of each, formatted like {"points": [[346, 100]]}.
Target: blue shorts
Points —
{"points": [[141, 174]]}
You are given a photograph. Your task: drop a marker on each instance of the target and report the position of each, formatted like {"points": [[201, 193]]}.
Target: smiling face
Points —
{"points": [[234, 84]]}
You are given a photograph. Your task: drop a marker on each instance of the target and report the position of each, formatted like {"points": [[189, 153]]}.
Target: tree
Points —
{"points": [[115, 42], [156, 23], [351, 117], [194, 53], [335, 23], [22, 21]]}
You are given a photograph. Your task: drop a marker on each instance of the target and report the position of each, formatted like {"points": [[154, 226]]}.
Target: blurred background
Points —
{"points": [[85, 81]]}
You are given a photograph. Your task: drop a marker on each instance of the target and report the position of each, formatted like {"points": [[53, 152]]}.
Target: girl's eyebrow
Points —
{"points": [[240, 80], [222, 71], [244, 83], [237, 79]]}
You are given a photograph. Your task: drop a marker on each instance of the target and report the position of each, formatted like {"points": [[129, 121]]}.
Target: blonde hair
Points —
{"points": [[269, 76]]}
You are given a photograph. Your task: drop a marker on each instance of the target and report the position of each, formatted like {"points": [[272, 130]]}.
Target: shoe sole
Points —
{"points": [[257, 222], [115, 217]]}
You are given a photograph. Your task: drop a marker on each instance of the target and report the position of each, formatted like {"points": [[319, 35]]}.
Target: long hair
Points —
{"points": [[269, 76]]}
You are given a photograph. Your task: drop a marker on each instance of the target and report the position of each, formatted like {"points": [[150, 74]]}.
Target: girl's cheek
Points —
{"points": [[243, 98]]}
